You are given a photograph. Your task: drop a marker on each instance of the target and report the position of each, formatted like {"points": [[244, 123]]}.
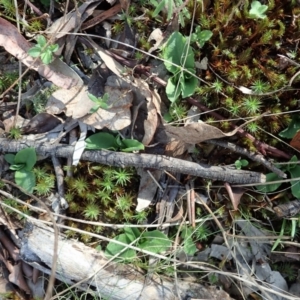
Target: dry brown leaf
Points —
{"points": [[235, 195], [196, 133], [72, 20], [15, 44], [151, 122], [76, 103]]}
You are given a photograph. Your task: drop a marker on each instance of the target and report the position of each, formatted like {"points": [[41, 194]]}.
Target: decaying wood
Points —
{"points": [[150, 161], [77, 262]]}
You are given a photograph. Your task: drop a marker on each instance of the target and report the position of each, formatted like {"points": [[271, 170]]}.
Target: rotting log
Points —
{"points": [[77, 262], [150, 161]]}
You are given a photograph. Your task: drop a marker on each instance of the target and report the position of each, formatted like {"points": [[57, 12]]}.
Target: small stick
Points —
{"points": [[253, 156]]}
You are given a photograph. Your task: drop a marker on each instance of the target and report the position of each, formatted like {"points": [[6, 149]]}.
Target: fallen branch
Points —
{"points": [[149, 161]]}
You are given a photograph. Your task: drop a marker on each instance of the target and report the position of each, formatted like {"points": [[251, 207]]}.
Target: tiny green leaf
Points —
{"points": [[101, 140], [35, 51], [25, 179], [27, 157], [269, 187], [257, 10], [112, 249], [189, 246], [295, 185], [154, 241], [41, 40], [130, 145], [46, 57], [292, 129]]}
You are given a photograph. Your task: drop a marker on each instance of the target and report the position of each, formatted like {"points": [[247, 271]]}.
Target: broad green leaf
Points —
{"points": [[292, 164], [132, 233], [41, 40], [173, 89], [188, 84], [176, 51], [258, 10], [112, 249], [27, 157], [292, 129], [46, 57], [154, 241], [269, 187], [101, 140], [35, 51], [10, 158], [131, 145], [25, 179], [189, 246], [295, 185], [238, 164]]}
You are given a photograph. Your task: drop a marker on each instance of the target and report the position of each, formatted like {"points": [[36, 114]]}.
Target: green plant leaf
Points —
{"points": [[292, 164], [292, 129], [176, 51], [101, 140], [295, 185], [189, 246], [269, 187], [25, 179], [46, 57], [27, 157], [238, 164], [94, 109], [130, 145], [154, 241], [112, 249], [41, 40], [188, 85], [132, 233], [10, 158], [201, 37], [35, 51], [257, 10], [53, 48], [172, 89], [16, 167]]}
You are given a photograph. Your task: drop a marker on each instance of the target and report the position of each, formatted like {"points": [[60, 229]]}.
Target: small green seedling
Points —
{"points": [[257, 10], [179, 60], [153, 241], [105, 140], [42, 50], [100, 102], [201, 36], [22, 163], [241, 163], [293, 168]]}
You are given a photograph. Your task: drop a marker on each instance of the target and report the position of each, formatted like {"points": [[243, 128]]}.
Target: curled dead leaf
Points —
{"points": [[195, 133]]}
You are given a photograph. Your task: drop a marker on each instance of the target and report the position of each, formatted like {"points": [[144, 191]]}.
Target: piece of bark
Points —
{"points": [[150, 161], [77, 262]]}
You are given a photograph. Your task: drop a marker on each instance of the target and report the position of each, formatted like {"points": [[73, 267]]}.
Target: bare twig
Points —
{"points": [[253, 156], [149, 161]]}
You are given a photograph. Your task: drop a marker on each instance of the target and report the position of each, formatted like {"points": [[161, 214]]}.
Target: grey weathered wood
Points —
{"points": [[150, 161], [77, 261]]}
